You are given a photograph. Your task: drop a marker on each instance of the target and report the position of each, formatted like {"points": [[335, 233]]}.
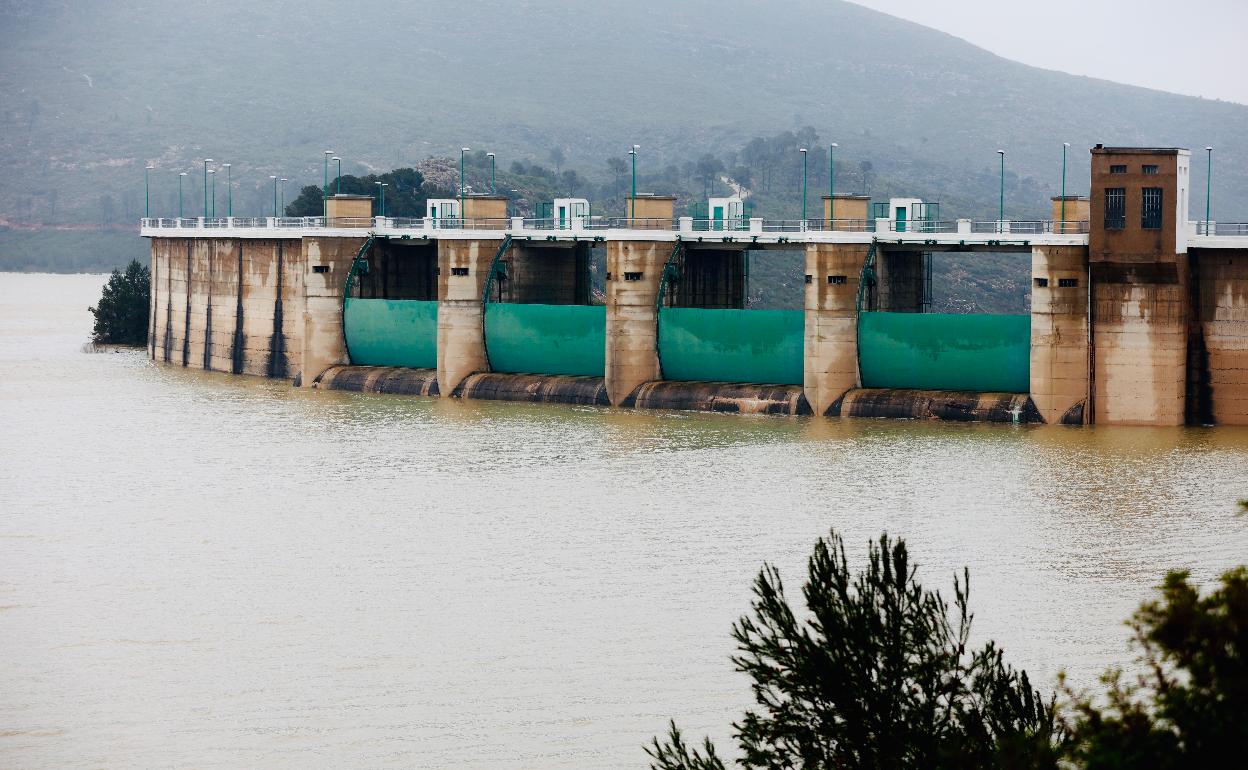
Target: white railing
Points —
{"points": [[1221, 228], [681, 224]]}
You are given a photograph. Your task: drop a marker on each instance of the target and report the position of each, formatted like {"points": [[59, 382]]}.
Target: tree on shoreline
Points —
{"points": [[122, 314]]}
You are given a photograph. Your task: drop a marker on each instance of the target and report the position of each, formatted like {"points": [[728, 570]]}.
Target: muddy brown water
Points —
{"points": [[207, 571]]}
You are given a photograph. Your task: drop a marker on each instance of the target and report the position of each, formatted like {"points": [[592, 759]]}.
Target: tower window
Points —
{"points": [[1116, 169], [1115, 208], [1150, 169], [1151, 219]]}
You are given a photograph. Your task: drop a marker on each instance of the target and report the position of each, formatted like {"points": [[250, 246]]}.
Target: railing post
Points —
{"points": [[686, 224], [883, 225], [426, 223], [756, 225], [517, 223], [270, 222]]}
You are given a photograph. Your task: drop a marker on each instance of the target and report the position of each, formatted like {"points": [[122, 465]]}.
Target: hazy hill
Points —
{"points": [[91, 90]]}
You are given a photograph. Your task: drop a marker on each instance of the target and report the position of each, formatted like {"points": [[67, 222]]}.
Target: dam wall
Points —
{"points": [[1138, 316]]}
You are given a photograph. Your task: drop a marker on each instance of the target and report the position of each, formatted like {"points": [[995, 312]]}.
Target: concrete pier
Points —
{"points": [[833, 276], [634, 273], [463, 267], [1059, 333]]}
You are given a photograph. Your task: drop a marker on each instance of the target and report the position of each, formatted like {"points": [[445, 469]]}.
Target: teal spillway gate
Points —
{"points": [[941, 351], [760, 346], [546, 339], [391, 332]]}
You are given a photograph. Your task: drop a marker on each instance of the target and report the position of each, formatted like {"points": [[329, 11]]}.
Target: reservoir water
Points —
{"points": [[206, 571]]}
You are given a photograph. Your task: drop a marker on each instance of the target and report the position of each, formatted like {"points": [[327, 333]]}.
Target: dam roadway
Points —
{"points": [[1139, 321]]}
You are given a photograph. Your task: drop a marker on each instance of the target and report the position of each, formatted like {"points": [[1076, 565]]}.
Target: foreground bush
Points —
{"points": [[121, 317], [879, 674], [1189, 709]]}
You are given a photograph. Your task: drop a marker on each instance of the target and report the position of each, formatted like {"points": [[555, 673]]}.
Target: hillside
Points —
{"points": [[91, 90]]}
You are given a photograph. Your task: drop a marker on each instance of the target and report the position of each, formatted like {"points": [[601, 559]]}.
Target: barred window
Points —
{"points": [[1152, 208], [1151, 170], [1116, 169], [1115, 208]]}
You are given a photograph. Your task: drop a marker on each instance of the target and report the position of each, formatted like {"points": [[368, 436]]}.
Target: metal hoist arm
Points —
{"points": [[671, 272], [496, 269], [359, 266], [866, 281]]}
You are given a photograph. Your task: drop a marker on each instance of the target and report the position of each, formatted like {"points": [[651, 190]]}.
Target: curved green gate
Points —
{"points": [[943, 351], [391, 332], [762, 346], [546, 339]]}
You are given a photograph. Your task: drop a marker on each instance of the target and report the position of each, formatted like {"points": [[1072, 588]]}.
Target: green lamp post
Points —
{"points": [[338, 178], [632, 214], [462, 151], [283, 180], [832, 184], [325, 186], [206, 162], [229, 189], [180, 213], [274, 178], [1208, 185], [491, 155], [381, 189], [213, 173], [1065, 147], [802, 150], [147, 190], [1001, 203]]}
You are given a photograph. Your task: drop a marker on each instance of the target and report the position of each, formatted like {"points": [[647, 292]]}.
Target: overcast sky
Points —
{"points": [[1196, 47]]}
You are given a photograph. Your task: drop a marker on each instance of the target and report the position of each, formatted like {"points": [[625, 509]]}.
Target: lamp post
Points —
{"points": [[147, 190], [1065, 147], [632, 214], [283, 181], [382, 190], [338, 178], [462, 150], [832, 184], [1001, 204], [802, 150], [213, 173], [206, 162], [274, 178], [491, 156], [180, 175], [1208, 186], [229, 189], [325, 186]]}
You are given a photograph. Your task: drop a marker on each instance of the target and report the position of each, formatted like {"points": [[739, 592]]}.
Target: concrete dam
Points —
{"points": [[1138, 315]]}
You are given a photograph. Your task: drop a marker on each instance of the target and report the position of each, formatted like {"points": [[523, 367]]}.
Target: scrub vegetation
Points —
{"points": [[877, 672], [123, 312]]}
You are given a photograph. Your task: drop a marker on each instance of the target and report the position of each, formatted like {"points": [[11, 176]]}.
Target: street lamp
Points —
{"points": [[1001, 205], [1208, 186], [802, 150], [832, 184], [325, 186], [147, 190], [229, 189], [283, 181], [1065, 147], [180, 175], [338, 178], [491, 156], [213, 173], [632, 215], [382, 189], [206, 162], [462, 150], [274, 178]]}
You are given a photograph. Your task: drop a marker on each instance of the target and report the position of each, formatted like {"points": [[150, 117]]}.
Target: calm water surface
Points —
{"points": [[205, 571]]}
